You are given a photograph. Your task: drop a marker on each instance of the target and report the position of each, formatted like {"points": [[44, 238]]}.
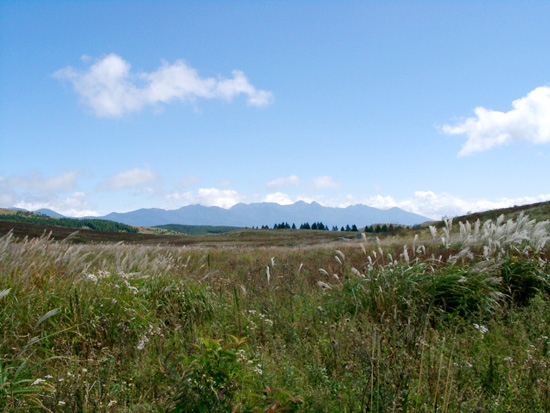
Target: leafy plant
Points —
{"points": [[212, 379]]}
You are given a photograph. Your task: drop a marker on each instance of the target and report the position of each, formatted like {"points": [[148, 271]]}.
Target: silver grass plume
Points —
{"points": [[323, 285], [433, 231]]}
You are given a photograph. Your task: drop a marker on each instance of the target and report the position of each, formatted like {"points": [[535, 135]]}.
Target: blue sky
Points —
{"points": [[439, 108]]}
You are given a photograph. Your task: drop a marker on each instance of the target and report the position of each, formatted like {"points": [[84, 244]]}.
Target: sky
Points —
{"points": [[439, 108]]}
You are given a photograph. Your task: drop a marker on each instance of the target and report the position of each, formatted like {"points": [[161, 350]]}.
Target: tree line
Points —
{"points": [[385, 228]]}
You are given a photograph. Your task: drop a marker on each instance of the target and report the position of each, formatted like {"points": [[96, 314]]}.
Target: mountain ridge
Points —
{"points": [[266, 213]]}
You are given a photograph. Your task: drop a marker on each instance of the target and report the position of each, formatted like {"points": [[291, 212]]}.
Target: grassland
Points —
{"points": [[454, 319]]}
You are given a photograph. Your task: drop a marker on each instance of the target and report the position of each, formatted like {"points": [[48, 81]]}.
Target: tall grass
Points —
{"points": [[459, 324]]}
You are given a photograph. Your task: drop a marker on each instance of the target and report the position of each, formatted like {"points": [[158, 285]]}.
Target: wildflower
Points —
{"points": [[84, 371], [91, 277], [142, 342], [482, 329], [61, 403], [111, 403], [37, 382]]}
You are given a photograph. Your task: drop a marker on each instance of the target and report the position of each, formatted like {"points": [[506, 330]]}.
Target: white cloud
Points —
{"points": [[111, 90], [324, 182], [130, 179], [529, 121], [223, 198], [279, 182], [278, 198]]}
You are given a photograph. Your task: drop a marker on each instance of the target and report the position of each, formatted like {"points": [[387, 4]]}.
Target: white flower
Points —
{"points": [[91, 277], [258, 369], [482, 329], [37, 382], [142, 342]]}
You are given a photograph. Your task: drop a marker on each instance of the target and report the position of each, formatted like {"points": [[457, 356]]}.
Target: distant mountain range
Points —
{"points": [[258, 214]]}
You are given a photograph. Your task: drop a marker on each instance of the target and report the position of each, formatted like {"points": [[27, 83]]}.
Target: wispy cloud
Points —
{"points": [[286, 181], [111, 90], [131, 178], [188, 180], [528, 121], [324, 182], [35, 181]]}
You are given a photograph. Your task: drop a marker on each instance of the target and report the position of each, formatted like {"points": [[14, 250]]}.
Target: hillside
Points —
{"points": [[40, 219], [539, 211]]}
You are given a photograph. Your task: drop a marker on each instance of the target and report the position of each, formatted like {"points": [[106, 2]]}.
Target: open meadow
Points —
{"points": [[454, 318]]}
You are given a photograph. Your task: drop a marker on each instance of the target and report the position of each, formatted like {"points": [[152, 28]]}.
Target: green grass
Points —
{"points": [[403, 324]]}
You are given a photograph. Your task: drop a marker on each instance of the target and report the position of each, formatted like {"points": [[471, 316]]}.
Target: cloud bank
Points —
{"points": [[436, 205], [528, 121], [111, 90], [35, 191]]}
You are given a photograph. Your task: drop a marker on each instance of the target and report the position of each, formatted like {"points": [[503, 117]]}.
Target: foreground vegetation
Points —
{"points": [[457, 319]]}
